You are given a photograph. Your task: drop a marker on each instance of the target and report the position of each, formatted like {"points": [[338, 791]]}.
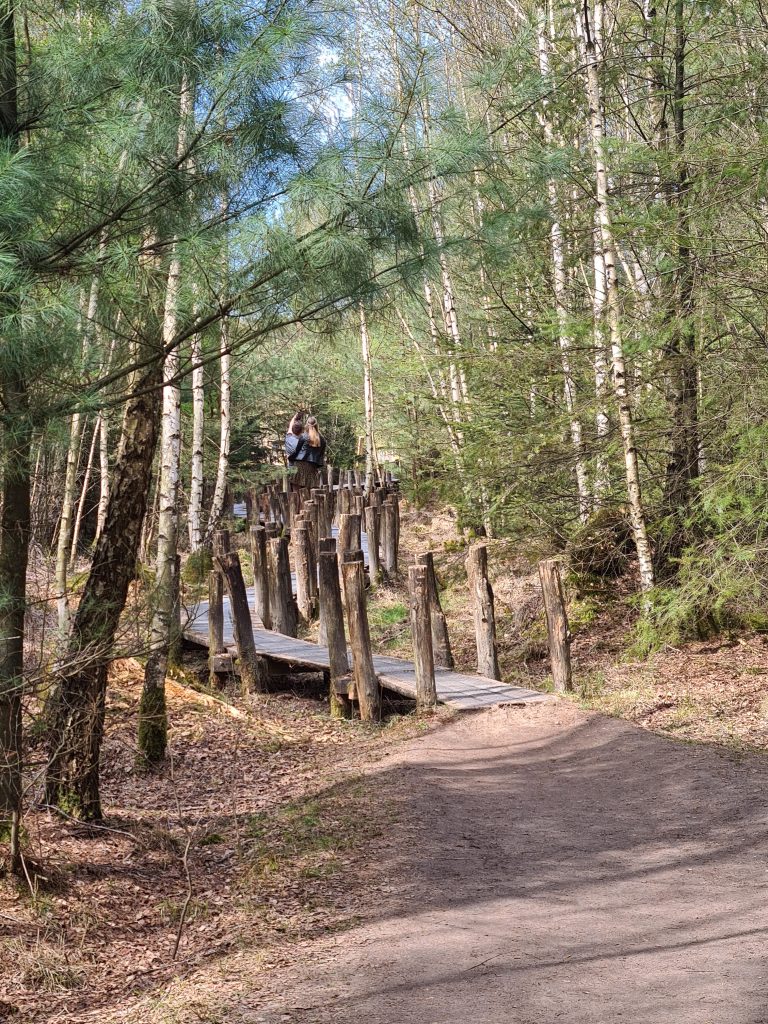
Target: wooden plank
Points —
{"points": [[459, 690]]}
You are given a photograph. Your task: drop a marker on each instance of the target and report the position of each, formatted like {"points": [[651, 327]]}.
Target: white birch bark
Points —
{"points": [[602, 420], [592, 59], [365, 347], [83, 495], [64, 542], [101, 515], [195, 510], [225, 413], [560, 282]]}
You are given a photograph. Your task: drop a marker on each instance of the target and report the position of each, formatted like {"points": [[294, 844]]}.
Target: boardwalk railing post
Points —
{"points": [[367, 687], [260, 575], [326, 544], [389, 537], [303, 559], [557, 625], [481, 596], [215, 624], [441, 645], [285, 508], [421, 629], [349, 533], [332, 617], [253, 675], [372, 531], [281, 604]]}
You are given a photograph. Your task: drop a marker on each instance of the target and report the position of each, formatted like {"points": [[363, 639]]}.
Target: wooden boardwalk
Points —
{"points": [[459, 690]]}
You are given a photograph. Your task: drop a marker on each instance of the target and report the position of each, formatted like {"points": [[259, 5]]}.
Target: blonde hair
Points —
{"points": [[313, 434]]}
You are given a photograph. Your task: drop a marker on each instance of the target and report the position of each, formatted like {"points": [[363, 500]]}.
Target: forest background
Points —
{"points": [[516, 249]]}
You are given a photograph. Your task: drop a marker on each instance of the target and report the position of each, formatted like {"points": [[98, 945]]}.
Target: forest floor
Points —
{"points": [[498, 867]]}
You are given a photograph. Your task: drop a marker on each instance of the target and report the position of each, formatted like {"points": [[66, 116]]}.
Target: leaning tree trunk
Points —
{"points": [[626, 425], [77, 723]]}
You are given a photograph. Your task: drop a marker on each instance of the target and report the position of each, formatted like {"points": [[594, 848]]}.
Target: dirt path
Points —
{"points": [[548, 865]]}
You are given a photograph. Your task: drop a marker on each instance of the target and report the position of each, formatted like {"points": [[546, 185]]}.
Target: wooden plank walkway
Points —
{"points": [[459, 690]]}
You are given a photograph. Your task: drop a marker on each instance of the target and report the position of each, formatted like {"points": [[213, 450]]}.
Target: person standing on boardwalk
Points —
{"points": [[310, 456], [295, 438]]}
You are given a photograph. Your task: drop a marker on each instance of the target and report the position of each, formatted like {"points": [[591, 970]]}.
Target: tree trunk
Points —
{"points": [[77, 724], [153, 724], [195, 511], [370, 451], [65, 528], [84, 487], [626, 424], [16, 438], [560, 282], [683, 466], [103, 471]]}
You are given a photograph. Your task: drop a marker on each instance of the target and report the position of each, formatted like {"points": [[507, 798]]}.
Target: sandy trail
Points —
{"points": [[549, 865]]}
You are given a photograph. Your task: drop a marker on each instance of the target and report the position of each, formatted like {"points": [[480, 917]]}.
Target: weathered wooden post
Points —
{"points": [[441, 645], [258, 537], [220, 542], [367, 687], [481, 596], [421, 630], [275, 512], [349, 534], [285, 508], [557, 625], [253, 674], [326, 544], [303, 559], [372, 532], [215, 624], [281, 604], [389, 537], [332, 621], [273, 530]]}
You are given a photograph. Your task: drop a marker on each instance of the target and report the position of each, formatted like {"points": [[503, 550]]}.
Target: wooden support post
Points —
{"points": [[389, 538], [421, 630], [258, 537], [285, 508], [220, 542], [303, 560], [281, 604], [326, 544], [275, 513], [441, 645], [215, 624], [481, 597], [349, 534], [326, 505], [366, 682], [372, 532], [253, 673], [273, 530], [557, 625], [332, 620]]}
